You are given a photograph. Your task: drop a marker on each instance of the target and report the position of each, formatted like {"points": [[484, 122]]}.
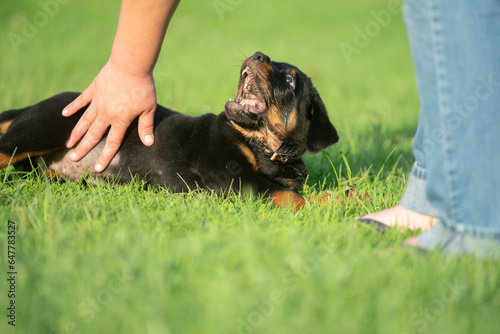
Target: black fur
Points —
{"points": [[244, 147]]}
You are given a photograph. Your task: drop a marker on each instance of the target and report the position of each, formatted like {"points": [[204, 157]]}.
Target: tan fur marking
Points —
{"points": [[264, 136], [6, 159], [320, 199], [275, 121], [249, 155], [292, 120], [277, 124], [52, 174], [5, 126], [245, 133], [272, 141], [293, 72], [288, 199]]}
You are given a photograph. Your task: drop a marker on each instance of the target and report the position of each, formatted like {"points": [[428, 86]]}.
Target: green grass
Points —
{"points": [[100, 259]]}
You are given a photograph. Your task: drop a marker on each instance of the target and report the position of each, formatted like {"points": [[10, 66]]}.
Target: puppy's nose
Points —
{"points": [[261, 57]]}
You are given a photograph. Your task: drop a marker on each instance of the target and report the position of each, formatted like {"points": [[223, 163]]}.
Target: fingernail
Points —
{"points": [[72, 156], [65, 112], [69, 143], [98, 168], [149, 139]]}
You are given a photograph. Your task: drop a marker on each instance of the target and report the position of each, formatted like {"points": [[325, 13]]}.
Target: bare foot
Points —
{"points": [[401, 217]]}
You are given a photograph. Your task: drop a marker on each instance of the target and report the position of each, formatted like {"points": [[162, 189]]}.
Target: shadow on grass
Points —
{"points": [[374, 154]]}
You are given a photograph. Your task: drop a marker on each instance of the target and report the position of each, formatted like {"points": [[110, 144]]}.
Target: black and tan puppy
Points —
{"points": [[256, 143]]}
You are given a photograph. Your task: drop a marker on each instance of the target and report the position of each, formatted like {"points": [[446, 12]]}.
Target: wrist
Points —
{"points": [[130, 65]]}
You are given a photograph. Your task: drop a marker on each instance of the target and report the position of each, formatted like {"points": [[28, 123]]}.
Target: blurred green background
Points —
{"points": [[100, 259], [370, 95]]}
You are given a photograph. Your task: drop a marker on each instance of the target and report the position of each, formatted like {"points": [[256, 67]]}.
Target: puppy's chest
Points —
{"points": [[290, 173], [268, 167]]}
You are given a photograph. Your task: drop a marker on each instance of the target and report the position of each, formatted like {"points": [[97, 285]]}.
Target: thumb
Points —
{"points": [[146, 124], [81, 101]]}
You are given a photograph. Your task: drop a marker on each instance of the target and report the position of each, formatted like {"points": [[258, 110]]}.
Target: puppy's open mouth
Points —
{"points": [[249, 98]]}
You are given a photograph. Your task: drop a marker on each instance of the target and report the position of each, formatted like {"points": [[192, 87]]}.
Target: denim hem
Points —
{"points": [[474, 230], [451, 241], [414, 198]]}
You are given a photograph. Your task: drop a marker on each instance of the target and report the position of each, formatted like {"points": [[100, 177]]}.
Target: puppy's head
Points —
{"points": [[277, 105]]}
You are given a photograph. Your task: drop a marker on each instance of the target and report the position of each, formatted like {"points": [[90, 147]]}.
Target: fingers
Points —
{"points": [[114, 100], [113, 142], [82, 126], [94, 134], [81, 101], [146, 124], [96, 130]]}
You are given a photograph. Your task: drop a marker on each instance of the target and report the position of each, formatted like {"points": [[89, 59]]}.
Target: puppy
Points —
{"points": [[256, 144]]}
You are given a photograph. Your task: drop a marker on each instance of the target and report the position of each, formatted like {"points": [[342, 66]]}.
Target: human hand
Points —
{"points": [[116, 98]]}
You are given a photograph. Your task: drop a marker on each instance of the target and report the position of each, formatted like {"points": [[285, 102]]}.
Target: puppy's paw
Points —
{"points": [[351, 196], [287, 199]]}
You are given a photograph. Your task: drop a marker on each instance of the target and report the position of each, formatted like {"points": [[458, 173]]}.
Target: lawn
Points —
{"points": [[104, 259]]}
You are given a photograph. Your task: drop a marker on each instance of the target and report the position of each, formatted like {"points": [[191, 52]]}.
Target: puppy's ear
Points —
{"points": [[321, 133]]}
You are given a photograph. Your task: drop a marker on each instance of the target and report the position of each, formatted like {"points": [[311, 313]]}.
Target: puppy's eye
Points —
{"points": [[290, 80]]}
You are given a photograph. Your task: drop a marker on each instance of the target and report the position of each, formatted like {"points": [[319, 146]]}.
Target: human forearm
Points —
{"points": [[141, 29]]}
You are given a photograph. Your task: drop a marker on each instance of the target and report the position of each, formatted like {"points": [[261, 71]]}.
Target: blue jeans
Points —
{"points": [[455, 46]]}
